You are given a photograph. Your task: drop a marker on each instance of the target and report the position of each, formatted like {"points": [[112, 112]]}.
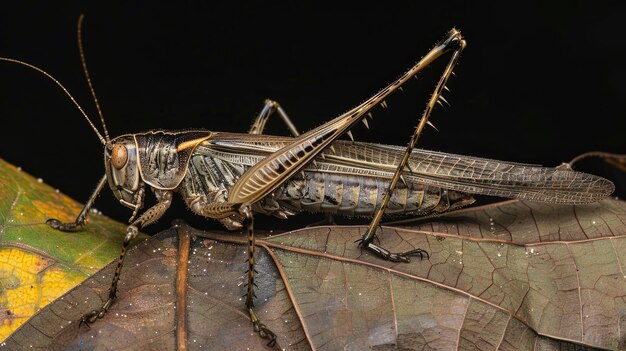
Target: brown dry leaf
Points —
{"points": [[508, 276]]}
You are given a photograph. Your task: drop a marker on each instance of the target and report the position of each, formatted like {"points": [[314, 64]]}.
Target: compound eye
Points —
{"points": [[119, 156]]}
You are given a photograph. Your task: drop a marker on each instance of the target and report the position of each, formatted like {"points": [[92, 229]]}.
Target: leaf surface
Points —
{"points": [[39, 264]]}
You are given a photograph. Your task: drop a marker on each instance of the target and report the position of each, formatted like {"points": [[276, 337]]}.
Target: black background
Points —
{"points": [[537, 83]]}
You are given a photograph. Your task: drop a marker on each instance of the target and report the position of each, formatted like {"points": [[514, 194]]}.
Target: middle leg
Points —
{"points": [[269, 107], [258, 326]]}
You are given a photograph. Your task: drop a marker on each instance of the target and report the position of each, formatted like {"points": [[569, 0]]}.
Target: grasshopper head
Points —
{"points": [[122, 169]]}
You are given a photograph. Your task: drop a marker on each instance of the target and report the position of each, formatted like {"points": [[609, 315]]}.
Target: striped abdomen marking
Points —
{"points": [[358, 196]]}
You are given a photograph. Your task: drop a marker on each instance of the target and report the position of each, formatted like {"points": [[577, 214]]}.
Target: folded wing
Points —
{"points": [[468, 174]]}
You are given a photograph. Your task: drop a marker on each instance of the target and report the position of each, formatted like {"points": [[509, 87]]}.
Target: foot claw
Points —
{"points": [[419, 252], [265, 333], [54, 223], [89, 318]]}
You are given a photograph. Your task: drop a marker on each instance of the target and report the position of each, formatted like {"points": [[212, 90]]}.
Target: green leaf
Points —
{"points": [[37, 263]]}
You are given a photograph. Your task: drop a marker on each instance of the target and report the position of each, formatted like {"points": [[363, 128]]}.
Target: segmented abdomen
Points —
{"points": [[353, 195]]}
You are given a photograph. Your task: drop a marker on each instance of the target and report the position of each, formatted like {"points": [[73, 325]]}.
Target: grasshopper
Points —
{"points": [[231, 177]]}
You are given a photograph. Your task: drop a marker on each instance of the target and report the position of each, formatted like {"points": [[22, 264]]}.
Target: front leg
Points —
{"points": [[80, 220], [150, 216]]}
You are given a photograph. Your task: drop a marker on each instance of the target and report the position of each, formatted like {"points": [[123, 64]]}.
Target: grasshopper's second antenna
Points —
{"points": [[79, 34], [102, 140]]}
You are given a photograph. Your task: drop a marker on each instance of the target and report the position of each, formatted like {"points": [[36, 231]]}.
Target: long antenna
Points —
{"points": [[79, 34], [102, 140]]}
